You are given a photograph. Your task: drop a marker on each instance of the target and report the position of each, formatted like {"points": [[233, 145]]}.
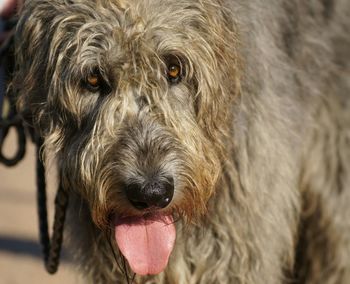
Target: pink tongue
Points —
{"points": [[146, 242]]}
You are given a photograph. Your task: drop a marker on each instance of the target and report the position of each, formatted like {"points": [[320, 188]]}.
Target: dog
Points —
{"points": [[202, 141]]}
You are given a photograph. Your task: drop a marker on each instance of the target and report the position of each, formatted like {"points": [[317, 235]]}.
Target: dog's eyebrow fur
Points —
{"points": [[255, 135]]}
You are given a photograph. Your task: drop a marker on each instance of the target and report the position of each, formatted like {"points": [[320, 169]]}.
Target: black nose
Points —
{"points": [[156, 194]]}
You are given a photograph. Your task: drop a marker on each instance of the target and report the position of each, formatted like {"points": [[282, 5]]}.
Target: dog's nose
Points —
{"points": [[155, 194]]}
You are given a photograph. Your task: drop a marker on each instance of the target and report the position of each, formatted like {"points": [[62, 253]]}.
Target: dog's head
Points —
{"points": [[135, 98]]}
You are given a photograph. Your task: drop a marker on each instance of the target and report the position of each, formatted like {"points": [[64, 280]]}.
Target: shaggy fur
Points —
{"points": [[256, 134]]}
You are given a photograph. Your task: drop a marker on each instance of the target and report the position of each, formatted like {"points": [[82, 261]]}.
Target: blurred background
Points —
{"points": [[20, 252]]}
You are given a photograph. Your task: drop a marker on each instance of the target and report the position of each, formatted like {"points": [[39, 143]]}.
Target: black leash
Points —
{"points": [[11, 119], [51, 248]]}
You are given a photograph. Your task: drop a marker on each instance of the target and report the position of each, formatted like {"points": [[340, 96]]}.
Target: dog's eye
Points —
{"points": [[94, 82], [174, 70]]}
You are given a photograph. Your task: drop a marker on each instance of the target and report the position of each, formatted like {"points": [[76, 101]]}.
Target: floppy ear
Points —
{"points": [[31, 59], [32, 43], [217, 74]]}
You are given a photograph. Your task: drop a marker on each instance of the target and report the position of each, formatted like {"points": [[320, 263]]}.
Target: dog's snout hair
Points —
{"points": [[229, 118]]}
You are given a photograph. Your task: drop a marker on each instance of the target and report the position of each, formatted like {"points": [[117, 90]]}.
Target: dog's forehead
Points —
{"points": [[118, 26], [147, 15]]}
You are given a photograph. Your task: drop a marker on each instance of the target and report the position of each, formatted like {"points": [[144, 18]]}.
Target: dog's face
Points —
{"points": [[133, 96]]}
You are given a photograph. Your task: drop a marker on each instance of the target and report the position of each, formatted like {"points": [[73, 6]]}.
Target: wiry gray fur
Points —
{"points": [[256, 135]]}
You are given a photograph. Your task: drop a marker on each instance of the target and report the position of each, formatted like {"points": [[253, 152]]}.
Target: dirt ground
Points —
{"points": [[20, 253]]}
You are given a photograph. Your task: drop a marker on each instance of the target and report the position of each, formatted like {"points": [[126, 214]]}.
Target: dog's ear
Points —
{"points": [[218, 75], [32, 55]]}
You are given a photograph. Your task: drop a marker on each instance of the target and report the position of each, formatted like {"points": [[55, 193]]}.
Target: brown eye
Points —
{"points": [[174, 70], [94, 83], [93, 80]]}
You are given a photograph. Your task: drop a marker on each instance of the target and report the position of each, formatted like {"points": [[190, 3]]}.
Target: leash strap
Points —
{"points": [[2, 83], [11, 119], [51, 247]]}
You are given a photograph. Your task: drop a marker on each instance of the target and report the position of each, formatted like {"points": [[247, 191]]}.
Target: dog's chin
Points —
{"points": [[145, 241]]}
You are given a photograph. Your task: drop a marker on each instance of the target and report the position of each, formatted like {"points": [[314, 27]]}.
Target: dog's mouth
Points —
{"points": [[146, 241]]}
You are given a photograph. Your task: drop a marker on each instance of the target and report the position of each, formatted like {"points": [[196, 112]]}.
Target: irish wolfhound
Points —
{"points": [[209, 139]]}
